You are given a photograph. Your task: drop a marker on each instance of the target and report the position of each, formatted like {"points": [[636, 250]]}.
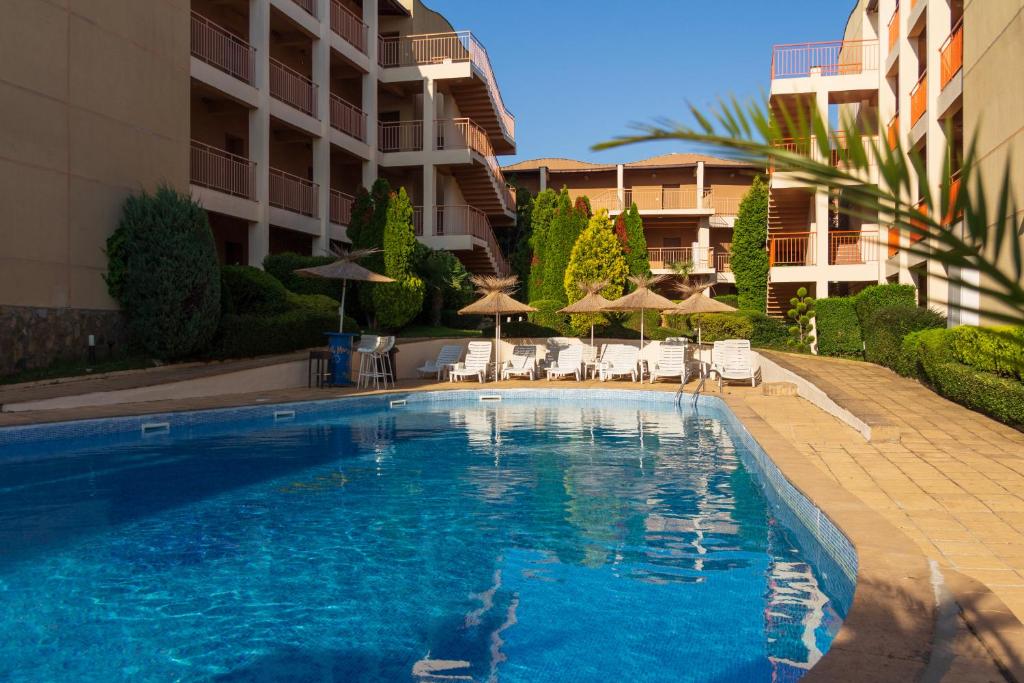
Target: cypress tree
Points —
{"points": [[635, 247], [540, 223], [748, 258], [566, 225], [596, 257], [398, 302], [372, 237]]}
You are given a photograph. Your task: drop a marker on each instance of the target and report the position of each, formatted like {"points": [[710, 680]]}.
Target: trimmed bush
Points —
{"points": [[728, 299], [908, 363], [768, 333], [999, 350], [999, 397], [872, 298], [838, 327], [748, 258], [245, 289], [885, 330], [397, 303], [245, 335], [719, 326], [547, 315], [596, 257], [283, 267], [162, 269]]}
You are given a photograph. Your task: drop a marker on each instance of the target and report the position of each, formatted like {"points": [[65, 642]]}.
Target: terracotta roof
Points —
{"points": [[663, 160]]}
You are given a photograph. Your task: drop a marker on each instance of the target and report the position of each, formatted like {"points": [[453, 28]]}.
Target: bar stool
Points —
{"points": [[319, 369], [367, 343], [372, 368], [383, 355]]}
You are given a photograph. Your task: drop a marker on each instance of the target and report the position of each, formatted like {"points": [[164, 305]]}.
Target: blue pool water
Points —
{"points": [[528, 540]]}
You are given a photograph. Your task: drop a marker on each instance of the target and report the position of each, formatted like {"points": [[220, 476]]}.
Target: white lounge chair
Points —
{"points": [[478, 360], [446, 357], [671, 362], [570, 362], [553, 346], [732, 360], [522, 364], [619, 360]]}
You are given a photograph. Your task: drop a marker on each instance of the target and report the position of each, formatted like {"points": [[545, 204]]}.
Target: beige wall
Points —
{"points": [[95, 106]]}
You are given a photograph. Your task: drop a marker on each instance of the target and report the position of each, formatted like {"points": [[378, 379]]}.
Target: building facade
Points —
{"points": [[271, 113], [928, 75], [688, 203]]}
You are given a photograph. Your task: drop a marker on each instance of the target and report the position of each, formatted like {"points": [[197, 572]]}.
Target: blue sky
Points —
{"points": [[578, 72]]}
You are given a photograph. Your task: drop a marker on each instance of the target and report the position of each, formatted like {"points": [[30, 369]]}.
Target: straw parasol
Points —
{"points": [[592, 302], [698, 302], [345, 269], [497, 302], [641, 299]]}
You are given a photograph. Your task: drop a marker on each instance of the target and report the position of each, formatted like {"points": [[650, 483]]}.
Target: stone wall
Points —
{"points": [[33, 337]]}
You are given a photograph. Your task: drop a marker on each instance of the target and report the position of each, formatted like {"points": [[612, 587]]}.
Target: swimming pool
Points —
{"points": [[532, 536]]}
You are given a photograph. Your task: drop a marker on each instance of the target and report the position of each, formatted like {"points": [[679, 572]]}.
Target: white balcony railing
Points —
{"points": [[464, 220], [308, 5], [791, 249], [702, 258], [829, 58], [463, 133], [291, 87], [222, 49], [293, 193], [348, 118], [400, 136], [341, 207], [349, 26], [223, 171], [439, 48]]}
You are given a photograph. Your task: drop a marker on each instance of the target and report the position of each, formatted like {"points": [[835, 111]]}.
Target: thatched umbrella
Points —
{"points": [[497, 302], [345, 269], [592, 302], [698, 302], [641, 299]]}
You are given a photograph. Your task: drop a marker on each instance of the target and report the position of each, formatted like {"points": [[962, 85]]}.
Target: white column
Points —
{"points": [[701, 260], [939, 17], [700, 184], [543, 178], [370, 91], [429, 173], [821, 242], [620, 189], [259, 129], [322, 145]]}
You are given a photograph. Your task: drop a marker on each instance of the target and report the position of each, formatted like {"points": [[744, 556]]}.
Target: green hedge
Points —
{"points": [[719, 326], [728, 299], [838, 327], [547, 315], [768, 333], [999, 397], [887, 327], [245, 289], [283, 267], [871, 299], [999, 350]]}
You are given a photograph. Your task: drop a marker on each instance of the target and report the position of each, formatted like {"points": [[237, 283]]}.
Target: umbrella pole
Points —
{"points": [[341, 308], [497, 344]]}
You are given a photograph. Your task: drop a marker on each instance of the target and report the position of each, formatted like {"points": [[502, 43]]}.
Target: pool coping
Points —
{"points": [[889, 631]]}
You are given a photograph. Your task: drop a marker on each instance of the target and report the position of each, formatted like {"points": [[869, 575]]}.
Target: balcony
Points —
{"points": [[663, 198], [894, 28], [349, 26], [222, 49], [953, 212], [663, 258], [463, 220], [846, 247], [400, 136], [293, 193], [722, 262], [892, 131], [791, 249], [341, 207], [292, 88], [308, 5], [919, 99], [446, 48], [830, 58], [951, 54], [348, 118], [222, 171], [463, 133]]}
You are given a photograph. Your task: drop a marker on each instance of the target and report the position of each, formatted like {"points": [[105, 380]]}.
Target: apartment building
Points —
{"points": [[271, 113], [688, 203], [915, 73]]}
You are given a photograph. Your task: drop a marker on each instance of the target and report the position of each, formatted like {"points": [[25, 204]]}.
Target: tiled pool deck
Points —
{"points": [[949, 491]]}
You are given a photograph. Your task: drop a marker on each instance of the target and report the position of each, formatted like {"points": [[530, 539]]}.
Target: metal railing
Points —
{"points": [[729, 206], [293, 193], [308, 5], [341, 207], [439, 48], [893, 241], [664, 257], [417, 221], [951, 54], [892, 131], [894, 27], [791, 249], [607, 200], [348, 118], [663, 198], [919, 99], [849, 247], [722, 262], [464, 133], [220, 170], [349, 26], [469, 220], [953, 212], [400, 136], [829, 58], [222, 49], [291, 87]]}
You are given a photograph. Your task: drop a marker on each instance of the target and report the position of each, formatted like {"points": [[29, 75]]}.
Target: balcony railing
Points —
{"points": [[663, 198], [348, 118], [469, 220], [951, 54], [849, 247], [664, 257], [463, 133], [831, 58], [729, 206], [293, 193], [791, 249], [223, 171], [919, 99], [439, 48], [894, 27], [921, 208], [341, 207], [291, 87], [308, 5], [722, 262], [349, 26], [400, 136], [953, 213], [892, 131], [417, 221], [222, 49], [893, 241]]}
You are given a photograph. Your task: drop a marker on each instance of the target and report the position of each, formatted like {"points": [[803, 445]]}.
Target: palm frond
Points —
{"points": [[490, 284], [645, 281], [592, 287], [343, 254]]}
